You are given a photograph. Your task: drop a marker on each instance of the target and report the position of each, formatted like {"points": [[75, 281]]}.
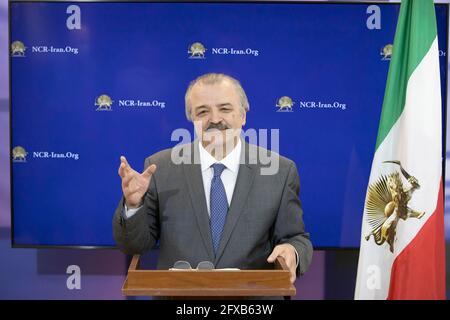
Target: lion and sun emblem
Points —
{"points": [[387, 203]]}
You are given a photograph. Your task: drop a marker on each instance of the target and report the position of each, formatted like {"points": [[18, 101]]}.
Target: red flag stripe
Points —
{"points": [[418, 272]]}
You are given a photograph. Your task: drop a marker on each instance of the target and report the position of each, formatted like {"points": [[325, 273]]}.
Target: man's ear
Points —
{"points": [[244, 116]]}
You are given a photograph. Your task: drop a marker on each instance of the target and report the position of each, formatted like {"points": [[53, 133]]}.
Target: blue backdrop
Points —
{"points": [[66, 187]]}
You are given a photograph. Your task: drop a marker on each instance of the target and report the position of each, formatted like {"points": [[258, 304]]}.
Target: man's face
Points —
{"points": [[216, 112]]}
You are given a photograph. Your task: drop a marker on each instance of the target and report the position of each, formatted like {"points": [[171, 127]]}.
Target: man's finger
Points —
{"points": [[290, 260], [149, 171], [293, 270], [125, 162], [123, 166], [124, 169], [282, 251], [293, 276], [121, 170]]}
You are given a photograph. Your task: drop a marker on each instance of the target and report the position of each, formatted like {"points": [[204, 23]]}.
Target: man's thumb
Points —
{"points": [[149, 171], [273, 255]]}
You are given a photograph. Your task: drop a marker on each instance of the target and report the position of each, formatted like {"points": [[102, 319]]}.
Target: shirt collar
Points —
{"points": [[231, 161]]}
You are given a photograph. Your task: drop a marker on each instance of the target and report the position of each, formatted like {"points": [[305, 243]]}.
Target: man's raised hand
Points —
{"points": [[134, 184]]}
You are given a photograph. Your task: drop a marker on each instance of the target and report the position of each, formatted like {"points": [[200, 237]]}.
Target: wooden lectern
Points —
{"points": [[208, 283]]}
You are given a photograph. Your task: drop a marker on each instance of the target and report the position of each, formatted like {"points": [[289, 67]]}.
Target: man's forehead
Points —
{"points": [[223, 84], [221, 91]]}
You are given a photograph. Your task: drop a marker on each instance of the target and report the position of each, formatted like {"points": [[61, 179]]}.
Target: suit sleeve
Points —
{"points": [[138, 233], [289, 225]]}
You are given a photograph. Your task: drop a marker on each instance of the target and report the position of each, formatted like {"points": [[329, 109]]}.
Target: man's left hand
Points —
{"points": [[286, 251]]}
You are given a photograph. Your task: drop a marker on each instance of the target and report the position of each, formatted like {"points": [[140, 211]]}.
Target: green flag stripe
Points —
{"points": [[416, 31]]}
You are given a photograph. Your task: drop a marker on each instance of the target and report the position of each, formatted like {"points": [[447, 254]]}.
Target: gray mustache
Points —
{"points": [[218, 126]]}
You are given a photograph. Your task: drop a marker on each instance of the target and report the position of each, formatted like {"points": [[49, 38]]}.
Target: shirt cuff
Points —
{"points": [[296, 257], [128, 213]]}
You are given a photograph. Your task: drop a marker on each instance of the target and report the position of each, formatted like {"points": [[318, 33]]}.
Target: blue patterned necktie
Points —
{"points": [[218, 205]]}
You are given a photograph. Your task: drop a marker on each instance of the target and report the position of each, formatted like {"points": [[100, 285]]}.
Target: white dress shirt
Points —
{"points": [[228, 176]]}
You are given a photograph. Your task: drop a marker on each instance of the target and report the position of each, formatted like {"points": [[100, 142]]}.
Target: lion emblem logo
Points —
{"points": [[387, 203], [19, 154], [386, 52], [197, 51], [104, 103], [284, 104], [18, 49]]}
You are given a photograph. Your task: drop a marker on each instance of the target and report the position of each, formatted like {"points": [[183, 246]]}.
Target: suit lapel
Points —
{"points": [[194, 181], [241, 190]]}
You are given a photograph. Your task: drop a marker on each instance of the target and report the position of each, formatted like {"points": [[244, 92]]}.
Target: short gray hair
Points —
{"points": [[214, 78]]}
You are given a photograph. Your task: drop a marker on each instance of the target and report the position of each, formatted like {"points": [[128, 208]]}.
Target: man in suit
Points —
{"points": [[210, 200]]}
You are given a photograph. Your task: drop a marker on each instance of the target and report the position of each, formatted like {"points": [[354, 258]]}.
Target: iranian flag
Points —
{"points": [[402, 253]]}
